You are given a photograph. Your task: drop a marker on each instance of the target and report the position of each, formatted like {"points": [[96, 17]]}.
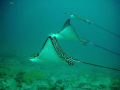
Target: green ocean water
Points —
{"points": [[24, 27]]}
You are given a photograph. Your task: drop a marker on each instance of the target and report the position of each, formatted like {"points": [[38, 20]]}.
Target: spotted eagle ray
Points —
{"points": [[52, 52], [68, 33], [90, 22]]}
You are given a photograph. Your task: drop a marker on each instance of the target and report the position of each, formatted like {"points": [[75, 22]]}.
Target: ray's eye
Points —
{"points": [[35, 55]]}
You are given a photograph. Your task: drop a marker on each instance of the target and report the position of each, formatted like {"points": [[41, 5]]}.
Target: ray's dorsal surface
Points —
{"points": [[51, 52]]}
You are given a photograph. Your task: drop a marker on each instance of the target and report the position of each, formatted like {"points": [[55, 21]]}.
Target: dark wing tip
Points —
{"points": [[66, 24]]}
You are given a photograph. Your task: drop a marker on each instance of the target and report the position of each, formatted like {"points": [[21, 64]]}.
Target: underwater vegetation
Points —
{"points": [[29, 77], [12, 78]]}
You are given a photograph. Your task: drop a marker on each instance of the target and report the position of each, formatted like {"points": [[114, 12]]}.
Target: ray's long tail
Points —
{"points": [[104, 48], [96, 65], [84, 42], [106, 30]]}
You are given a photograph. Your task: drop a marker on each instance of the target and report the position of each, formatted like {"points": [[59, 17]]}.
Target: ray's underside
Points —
{"points": [[52, 52]]}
